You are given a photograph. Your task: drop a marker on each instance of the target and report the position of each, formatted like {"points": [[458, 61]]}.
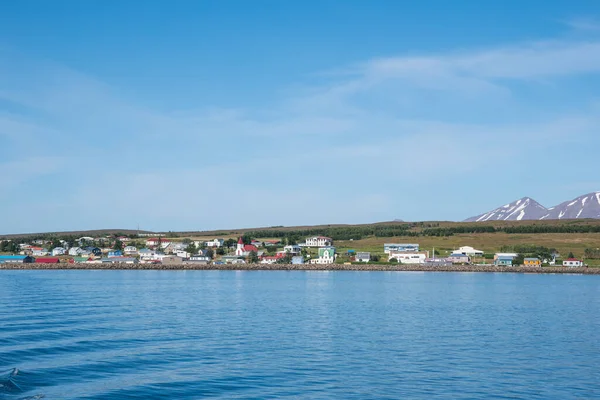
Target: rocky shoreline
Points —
{"points": [[302, 267]]}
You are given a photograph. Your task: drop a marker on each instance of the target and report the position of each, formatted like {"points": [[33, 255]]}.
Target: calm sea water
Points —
{"points": [[273, 335]]}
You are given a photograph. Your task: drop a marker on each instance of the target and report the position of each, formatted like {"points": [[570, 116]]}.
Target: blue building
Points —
{"points": [[389, 247], [16, 259], [115, 253], [298, 260]]}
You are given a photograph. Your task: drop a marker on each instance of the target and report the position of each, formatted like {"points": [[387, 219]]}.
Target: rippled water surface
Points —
{"points": [[344, 335]]}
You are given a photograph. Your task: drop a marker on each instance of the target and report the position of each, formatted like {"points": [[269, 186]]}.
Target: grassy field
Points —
{"points": [[488, 242]]}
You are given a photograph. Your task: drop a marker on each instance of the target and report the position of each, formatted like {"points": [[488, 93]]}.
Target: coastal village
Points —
{"points": [[313, 250]]}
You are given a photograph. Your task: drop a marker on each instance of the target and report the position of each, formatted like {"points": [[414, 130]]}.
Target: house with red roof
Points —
{"points": [[244, 249], [572, 262]]}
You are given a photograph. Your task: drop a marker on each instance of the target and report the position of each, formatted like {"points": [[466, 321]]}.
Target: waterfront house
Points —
{"points": [[532, 262], [468, 251], [270, 259], [16, 259], [47, 260], [319, 241], [437, 262], [233, 260], [326, 256], [363, 257], [408, 257], [511, 255], [199, 259], [459, 258], [572, 262], [80, 260], [115, 253], [58, 251], [399, 247], [504, 261]]}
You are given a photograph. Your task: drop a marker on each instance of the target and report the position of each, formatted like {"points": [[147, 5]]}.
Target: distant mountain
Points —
{"points": [[522, 209], [586, 206]]}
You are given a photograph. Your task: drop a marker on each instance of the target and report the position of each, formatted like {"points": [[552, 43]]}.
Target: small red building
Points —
{"points": [[47, 260]]}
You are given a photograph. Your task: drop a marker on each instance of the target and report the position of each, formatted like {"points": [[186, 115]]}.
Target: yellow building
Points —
{"points": [[532, 262]]}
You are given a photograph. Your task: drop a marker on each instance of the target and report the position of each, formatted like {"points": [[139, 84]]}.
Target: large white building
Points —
{"points": [[468, 251], [409, 257], [319, 241], [572, 262]]}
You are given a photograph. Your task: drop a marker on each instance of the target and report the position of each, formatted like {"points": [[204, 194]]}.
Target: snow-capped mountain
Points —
{"points": [[586, 206], [522, 209]]}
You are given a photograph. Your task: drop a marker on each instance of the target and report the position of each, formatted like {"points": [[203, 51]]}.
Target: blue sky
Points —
{"points": [[193, 115]]}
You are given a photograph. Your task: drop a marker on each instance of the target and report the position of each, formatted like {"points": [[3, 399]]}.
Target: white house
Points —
{"points": [[326, 256], [75, 251], [38, 252], [58, 251], [468, 251], [150, 255], [409, 257], [182, 253], [200, 259], [319, 241], [130, 250], [572, 262], [215, 243]]}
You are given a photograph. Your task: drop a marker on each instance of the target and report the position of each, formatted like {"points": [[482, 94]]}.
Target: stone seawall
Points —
{"points": [[303, 267]]}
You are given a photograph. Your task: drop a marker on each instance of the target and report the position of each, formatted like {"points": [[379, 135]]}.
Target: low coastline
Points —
{"points": [[301, 267]]}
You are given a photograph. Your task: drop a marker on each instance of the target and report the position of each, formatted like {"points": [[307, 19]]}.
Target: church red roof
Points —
{"points": [[240, 241]]}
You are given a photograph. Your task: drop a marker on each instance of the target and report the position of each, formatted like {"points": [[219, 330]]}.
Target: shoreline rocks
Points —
{"points": [[302, 267]]}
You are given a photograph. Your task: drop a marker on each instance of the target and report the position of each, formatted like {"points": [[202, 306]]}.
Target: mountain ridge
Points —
{"points": [[526, 208]]}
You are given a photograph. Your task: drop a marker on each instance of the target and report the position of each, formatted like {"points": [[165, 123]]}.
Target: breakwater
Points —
{"points": [[302, 267]]}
